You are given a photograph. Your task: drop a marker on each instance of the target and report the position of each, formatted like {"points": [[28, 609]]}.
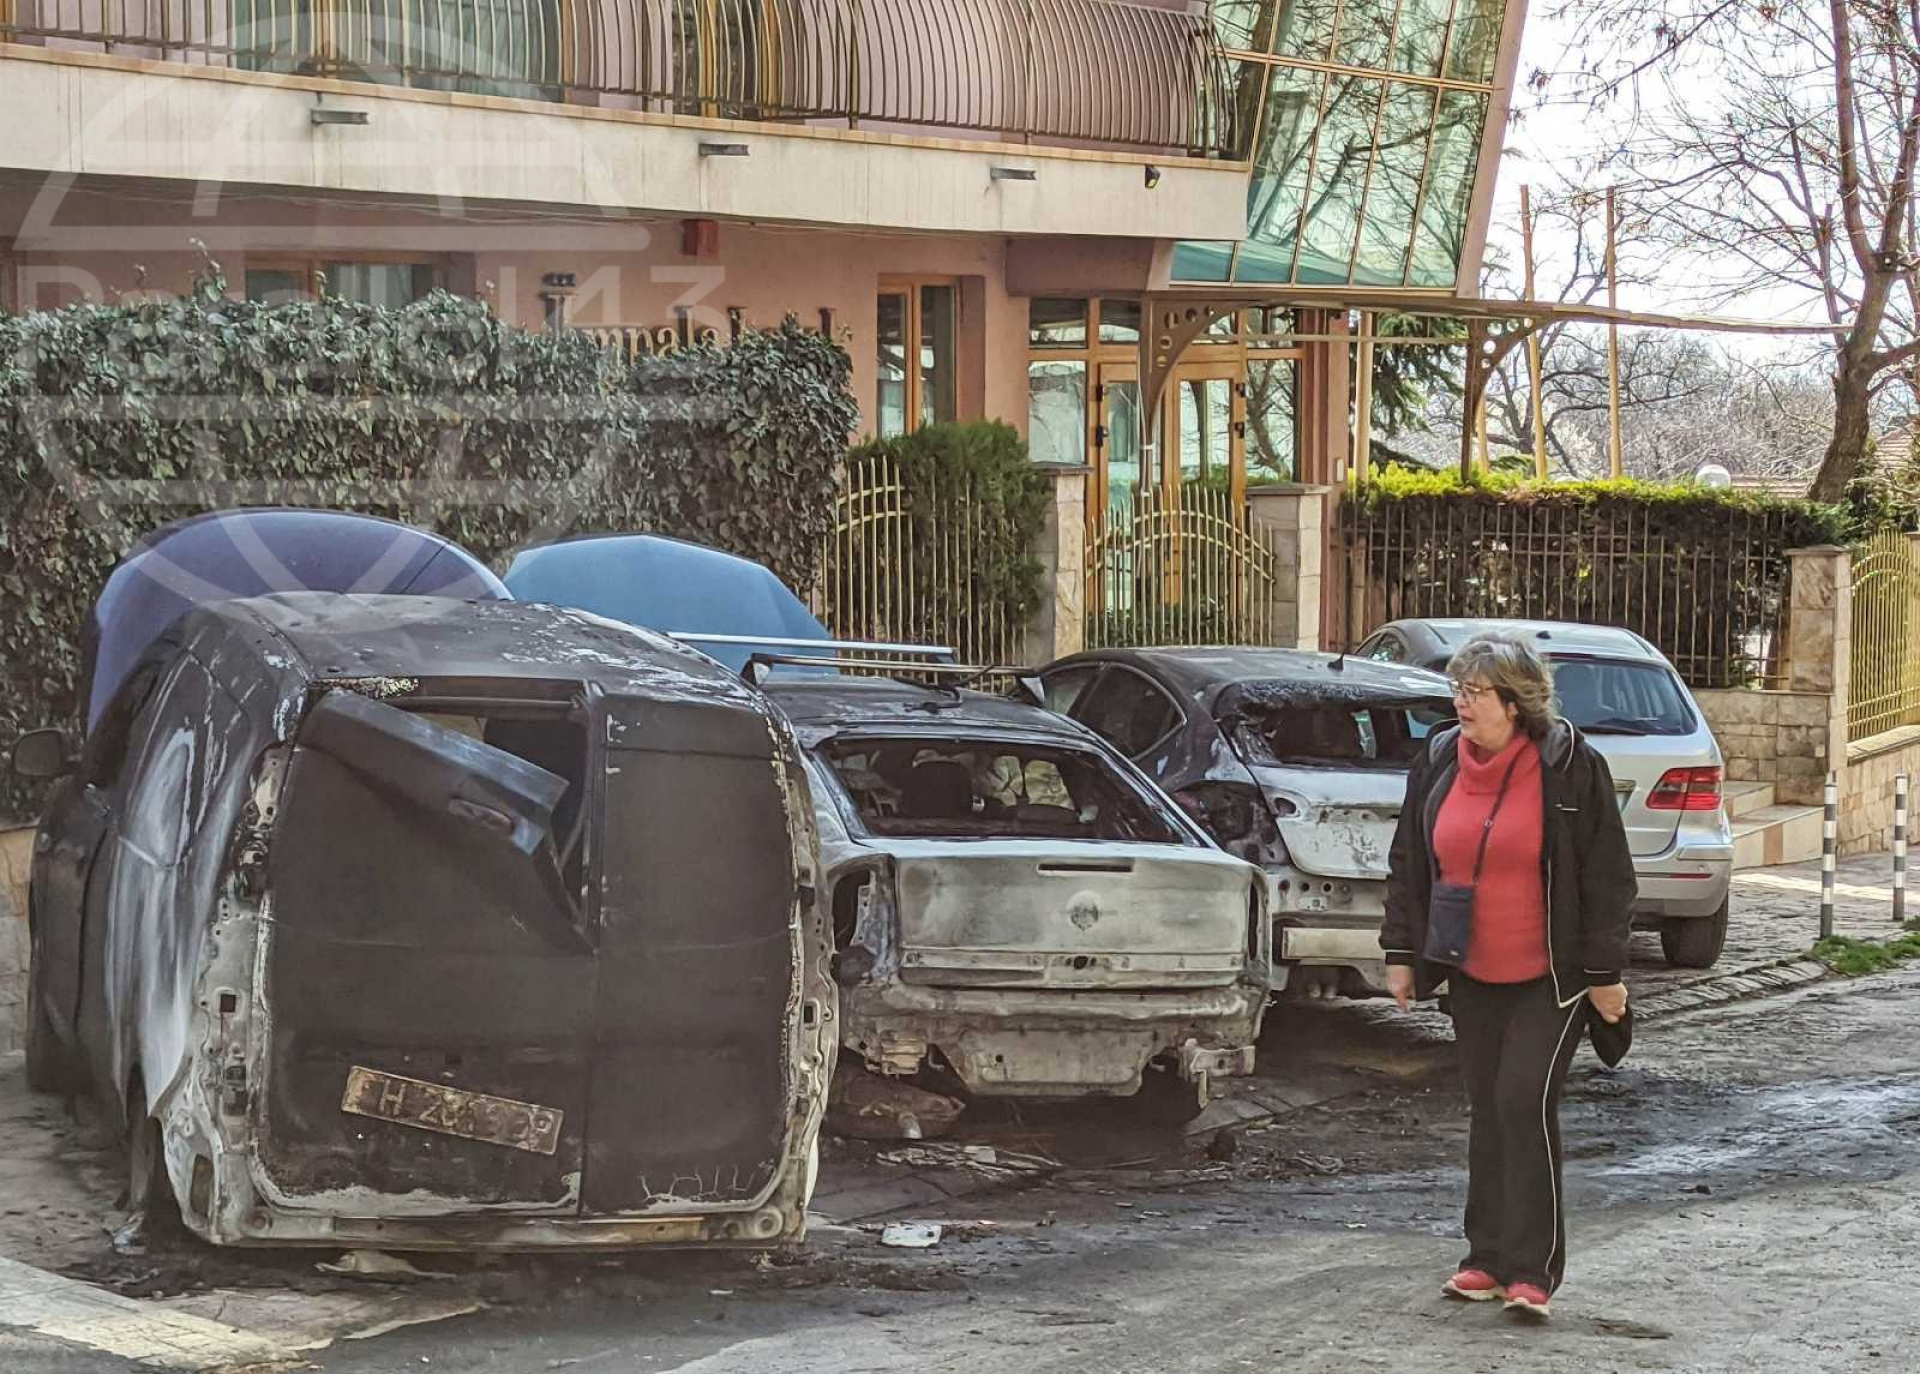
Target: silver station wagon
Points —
{"points": [[1624, 695]]}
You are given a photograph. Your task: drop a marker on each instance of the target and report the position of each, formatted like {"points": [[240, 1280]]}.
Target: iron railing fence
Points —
{"points": [[1186, 568], [1715, 602], [910, 564], [1885, 646], [1103, 72]]}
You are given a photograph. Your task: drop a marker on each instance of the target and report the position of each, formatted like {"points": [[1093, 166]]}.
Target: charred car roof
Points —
{"points": [[325, 636], [1223, 680], [822, 708]]}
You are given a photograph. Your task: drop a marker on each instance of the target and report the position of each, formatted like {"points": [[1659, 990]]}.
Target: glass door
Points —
{"points": [[1206, 422], [1117, 460]]}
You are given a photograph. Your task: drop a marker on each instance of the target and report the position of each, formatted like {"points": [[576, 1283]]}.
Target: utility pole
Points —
{"points": [[1613, 341], [1533, 342]]}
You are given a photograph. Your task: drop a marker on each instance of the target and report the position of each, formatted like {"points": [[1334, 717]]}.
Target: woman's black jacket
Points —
{"points": [[1587, 866]]}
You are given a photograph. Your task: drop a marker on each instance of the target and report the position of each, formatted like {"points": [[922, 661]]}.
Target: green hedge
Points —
{"points": [[117, 419], [1702, 573]]}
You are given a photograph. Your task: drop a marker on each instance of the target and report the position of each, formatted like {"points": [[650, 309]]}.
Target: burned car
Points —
{"points": [[421, 923], [1014, 906], [1293, 760]]}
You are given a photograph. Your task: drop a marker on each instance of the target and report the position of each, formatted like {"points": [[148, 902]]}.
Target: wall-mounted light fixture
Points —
{"points": [[1013, 174], [724, 150], [1153, 176], [321, 115]]}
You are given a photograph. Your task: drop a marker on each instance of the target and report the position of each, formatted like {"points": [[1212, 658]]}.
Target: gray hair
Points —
{"points": [[1516, 670]]}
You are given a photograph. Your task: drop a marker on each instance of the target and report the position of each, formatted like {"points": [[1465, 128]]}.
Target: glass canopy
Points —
{"points": [[1365, 118]]}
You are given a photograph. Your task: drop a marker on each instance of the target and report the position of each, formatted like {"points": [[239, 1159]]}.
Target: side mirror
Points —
{"points": [[1035, 689], [43, 754]]}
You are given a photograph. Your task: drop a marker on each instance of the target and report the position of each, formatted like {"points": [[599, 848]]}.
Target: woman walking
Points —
{"points": [[1511, 880]]}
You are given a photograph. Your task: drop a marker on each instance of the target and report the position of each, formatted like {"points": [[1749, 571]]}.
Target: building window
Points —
{"points": [[391, 284], [1057, 410], [1367, 143], [918, 335]]}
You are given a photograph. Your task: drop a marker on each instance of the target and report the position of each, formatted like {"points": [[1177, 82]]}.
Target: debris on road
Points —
{"points": [[378, 1266], [866, 1106], [911, 1235], [984, 1160]]}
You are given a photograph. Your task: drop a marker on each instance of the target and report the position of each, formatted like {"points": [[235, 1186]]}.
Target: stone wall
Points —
{"points": [[1291, 518], [16, 856], [1866, 796], [1776, 737]]}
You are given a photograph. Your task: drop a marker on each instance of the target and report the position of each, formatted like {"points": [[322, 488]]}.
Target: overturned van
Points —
{"points": [[424, 923]]}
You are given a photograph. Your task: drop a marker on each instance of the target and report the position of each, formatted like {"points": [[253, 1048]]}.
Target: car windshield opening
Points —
{"points": [[1608, 697], [992, 789], [1338, 734]]}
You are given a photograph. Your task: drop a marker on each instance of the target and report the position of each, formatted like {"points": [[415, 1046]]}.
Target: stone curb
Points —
{"points": [[1763, 981]]}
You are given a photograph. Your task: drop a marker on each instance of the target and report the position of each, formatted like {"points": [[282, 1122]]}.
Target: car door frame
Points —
{"points": [[1109, 667]]}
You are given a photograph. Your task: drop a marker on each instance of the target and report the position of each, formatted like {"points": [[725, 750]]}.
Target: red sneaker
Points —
{"points": [[1528, 1300], [1473, 1285]]}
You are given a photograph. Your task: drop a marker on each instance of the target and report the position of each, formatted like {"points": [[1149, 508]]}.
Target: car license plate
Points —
{"points": [[1622, 794], [452, 1111]]}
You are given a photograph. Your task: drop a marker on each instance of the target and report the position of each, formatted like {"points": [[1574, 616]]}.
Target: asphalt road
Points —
{"points": [[1742, 1198]]}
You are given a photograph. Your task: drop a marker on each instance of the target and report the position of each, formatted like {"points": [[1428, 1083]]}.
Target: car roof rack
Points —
{"points": [[931, 659], [858, 646]]}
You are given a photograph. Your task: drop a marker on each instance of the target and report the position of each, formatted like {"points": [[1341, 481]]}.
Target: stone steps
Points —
{"points": [[1769, 835]]}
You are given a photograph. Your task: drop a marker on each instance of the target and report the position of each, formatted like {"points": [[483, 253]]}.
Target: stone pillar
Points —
{"points": [[1290, 519], [1820, 639], [1059, 627]]}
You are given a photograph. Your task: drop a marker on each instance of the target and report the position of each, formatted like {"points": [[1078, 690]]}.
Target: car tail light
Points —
{"points": [[1686, 789]]}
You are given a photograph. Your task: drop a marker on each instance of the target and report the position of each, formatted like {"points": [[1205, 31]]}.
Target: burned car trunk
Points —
{"points": [[483, 925], [1293, 760], [1016, 907]]}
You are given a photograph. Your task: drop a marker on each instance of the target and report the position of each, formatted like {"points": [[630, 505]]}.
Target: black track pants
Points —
{"points": [[1515, 1046]]}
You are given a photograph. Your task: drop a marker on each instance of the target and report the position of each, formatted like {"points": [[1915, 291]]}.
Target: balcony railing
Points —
{"points": [[1094, 72]]}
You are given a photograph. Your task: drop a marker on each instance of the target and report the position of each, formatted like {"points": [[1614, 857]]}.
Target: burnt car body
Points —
{"points": [[1014, 903], [234, 553], [1293, 760], [1054, 948], [422, 923]]}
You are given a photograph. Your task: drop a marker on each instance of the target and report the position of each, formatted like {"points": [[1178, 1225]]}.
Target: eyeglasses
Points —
{"points": [[1472, 691]]}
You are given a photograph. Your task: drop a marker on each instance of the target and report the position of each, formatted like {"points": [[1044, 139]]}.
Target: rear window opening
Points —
{"points": [[1607, 697], [544, 723], [1343, 734], [992, 789]]}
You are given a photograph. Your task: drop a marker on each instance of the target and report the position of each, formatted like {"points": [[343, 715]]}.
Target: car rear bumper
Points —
{"points": [[1036, 1043], [1688, 880]]}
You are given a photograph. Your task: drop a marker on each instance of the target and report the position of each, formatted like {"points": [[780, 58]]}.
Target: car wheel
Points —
{"points": [[49, 1066], [1167, 1099], [1694, 942]]}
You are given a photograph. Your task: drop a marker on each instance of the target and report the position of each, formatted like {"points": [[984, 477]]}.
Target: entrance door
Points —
{"points": [[1118, 471], [1205, 423]]}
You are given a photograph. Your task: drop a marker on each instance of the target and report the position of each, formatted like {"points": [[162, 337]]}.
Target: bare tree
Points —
{"points": [[1775, 142]]}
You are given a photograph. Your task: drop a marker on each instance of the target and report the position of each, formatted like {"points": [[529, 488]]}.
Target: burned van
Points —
{"points": [[422, 923]]}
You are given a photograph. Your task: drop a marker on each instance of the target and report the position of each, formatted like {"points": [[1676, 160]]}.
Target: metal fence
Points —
{"points": [[1095, 71], [1714, 601], [911, 565], [1885, 648], [1190, 568]]}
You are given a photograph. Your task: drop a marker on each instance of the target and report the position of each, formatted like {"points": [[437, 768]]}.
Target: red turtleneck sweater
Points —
{"points": [[1509, 943]]}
